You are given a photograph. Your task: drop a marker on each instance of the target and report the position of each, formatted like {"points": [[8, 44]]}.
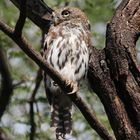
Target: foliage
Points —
{"points": [[15, 121]]}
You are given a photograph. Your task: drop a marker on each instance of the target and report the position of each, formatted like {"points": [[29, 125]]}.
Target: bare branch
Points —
{"points": [[7, 88], [37, 85], [31, 103], [16, 85], [21, 21], [91, 117], [37, 11], [32, 121]]}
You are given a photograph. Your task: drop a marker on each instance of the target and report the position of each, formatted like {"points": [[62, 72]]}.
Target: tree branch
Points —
{"points": [[31, 103], [116, 71], [7, 88], [21, 21], [32, 121], [36, 57], [66, 87], [37, 11], [91, 117], [122, 34], [99, 76]]}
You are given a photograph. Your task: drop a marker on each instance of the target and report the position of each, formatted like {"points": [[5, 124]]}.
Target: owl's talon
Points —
{"points": [[74, 90], [74, 86]]}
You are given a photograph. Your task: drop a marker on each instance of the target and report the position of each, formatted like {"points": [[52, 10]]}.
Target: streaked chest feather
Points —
{"points": [[67, 51]]}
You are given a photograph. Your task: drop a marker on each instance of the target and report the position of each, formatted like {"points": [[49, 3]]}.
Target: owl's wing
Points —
{"points": [[47, 90]]}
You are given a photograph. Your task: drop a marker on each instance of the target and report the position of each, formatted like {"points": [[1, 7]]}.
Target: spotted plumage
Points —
{"points": [[66, 49]]}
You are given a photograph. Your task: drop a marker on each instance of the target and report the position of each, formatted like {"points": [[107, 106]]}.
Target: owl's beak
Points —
{"points": [[55, 19]]}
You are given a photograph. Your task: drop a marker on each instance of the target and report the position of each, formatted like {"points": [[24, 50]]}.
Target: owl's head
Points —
{"points": [[69, 14]]}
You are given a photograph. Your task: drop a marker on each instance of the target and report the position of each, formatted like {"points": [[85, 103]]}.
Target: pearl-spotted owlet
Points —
{"points": [[66, 49]]}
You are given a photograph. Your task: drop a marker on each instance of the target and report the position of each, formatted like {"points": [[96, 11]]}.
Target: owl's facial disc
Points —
{"points": [[55, 18], [69, 15], [60, 16]]}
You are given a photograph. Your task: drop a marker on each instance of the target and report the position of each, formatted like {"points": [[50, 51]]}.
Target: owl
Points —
{"points": [[66, 50]]}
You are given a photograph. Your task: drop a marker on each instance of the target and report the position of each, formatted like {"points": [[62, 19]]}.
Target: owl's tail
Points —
{"points": [[61, 118]]}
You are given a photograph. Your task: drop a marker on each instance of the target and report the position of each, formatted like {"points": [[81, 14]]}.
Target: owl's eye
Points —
{"points": [[65, 13]]}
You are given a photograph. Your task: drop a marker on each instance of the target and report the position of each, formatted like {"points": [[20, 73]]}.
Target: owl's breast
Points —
{"points": [[68, 52]]}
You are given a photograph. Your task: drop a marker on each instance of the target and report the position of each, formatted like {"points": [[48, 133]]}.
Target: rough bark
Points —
{"points": [[115, 70]]}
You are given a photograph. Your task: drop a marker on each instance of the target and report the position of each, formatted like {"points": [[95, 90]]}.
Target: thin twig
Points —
{"points": [[16, 85], [37, 85], [32, 121], [32, 101]]}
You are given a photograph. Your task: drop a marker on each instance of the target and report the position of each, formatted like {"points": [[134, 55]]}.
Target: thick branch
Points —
{"points": [[99, 76], [117, 72], [122, 35]]}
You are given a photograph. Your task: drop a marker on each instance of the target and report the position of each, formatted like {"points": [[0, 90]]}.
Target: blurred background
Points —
{"points": [[16, 120]]}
